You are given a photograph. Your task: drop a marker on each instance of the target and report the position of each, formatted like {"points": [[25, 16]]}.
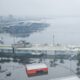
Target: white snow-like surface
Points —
{"points": [[36, 66], [68, 78]]}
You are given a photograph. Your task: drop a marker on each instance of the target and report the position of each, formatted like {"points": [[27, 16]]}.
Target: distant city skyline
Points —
{"points": [[47, 8]]}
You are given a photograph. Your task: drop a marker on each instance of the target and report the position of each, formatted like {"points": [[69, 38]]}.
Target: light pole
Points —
{"points": [[53, 39]]}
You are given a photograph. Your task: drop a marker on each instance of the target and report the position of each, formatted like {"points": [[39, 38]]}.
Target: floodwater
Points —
{"points": [[66, 30], [66, 69]]}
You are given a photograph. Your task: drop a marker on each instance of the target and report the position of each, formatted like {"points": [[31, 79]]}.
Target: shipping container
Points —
{"points": [[36, 69]]}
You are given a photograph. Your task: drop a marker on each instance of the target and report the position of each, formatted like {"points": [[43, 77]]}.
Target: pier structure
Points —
{"points": [[40, 47]]}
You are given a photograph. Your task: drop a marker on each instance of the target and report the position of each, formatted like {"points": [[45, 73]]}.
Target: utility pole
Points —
{"points": [[53, 39]]}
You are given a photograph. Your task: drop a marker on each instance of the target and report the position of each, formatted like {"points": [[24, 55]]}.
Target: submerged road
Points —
{"points": [[55, 73]]}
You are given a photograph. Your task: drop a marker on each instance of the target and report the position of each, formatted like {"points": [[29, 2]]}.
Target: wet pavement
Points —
{"points": [[66, 69]]}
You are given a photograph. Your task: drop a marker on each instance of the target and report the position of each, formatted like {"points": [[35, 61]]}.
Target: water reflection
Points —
{"points": [[59, 26], [25, 29], [78, 64], [54, 63]]}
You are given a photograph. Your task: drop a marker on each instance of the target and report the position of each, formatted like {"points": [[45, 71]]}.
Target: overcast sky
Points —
{"points": [[40, 7]]}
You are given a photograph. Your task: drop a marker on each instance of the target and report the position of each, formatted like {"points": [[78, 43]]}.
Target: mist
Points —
{"points": [[42, 8]]}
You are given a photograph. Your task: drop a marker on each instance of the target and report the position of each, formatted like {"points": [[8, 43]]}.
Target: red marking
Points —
{"points": [[33, 72]]}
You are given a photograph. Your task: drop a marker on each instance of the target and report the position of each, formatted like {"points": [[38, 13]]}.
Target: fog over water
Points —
{"points": [[66, 30], [40, 7]]}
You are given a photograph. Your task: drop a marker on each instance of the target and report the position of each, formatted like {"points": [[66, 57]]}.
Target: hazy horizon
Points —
{"points": [[43, 8]]}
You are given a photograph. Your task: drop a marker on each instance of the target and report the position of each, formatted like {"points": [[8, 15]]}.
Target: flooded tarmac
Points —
{"points": [[18, 72]]}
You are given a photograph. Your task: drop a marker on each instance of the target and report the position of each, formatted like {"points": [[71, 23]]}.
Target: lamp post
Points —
{"points": [[53, 39]]}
